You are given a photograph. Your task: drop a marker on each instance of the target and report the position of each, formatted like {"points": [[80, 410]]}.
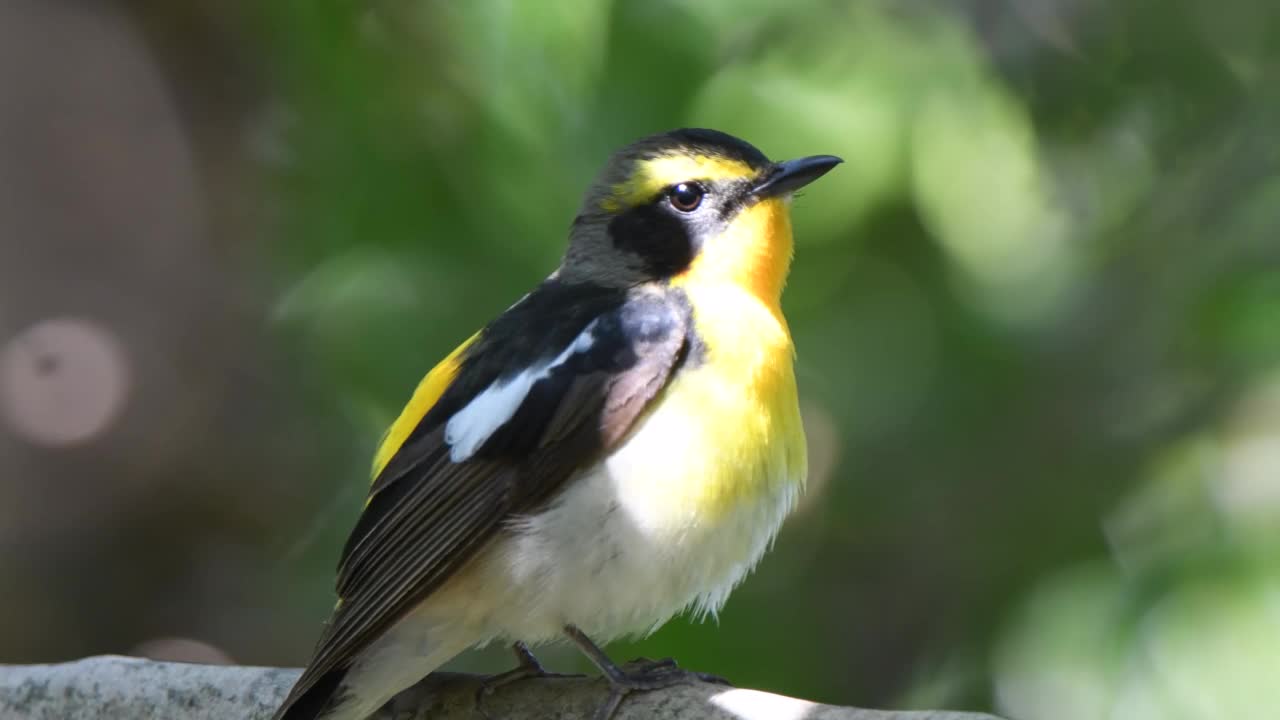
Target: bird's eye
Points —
{"points": [[686, 197]]}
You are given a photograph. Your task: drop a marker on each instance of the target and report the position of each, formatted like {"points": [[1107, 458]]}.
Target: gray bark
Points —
{"points": [[120, 688]]}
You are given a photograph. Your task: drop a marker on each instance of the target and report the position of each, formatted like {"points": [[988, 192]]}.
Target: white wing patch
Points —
{"points": [[471, 426]]}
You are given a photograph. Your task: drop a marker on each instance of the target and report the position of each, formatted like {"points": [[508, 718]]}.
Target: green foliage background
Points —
{"points": [[1037, 313]]}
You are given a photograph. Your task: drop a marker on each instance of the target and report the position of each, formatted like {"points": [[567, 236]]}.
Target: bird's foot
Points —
{"points": [[638, 675], [664, 672], [527, 668], [643, 674]]}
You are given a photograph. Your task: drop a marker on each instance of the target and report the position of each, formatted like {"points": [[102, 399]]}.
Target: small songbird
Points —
{"points": [[618, 446]]}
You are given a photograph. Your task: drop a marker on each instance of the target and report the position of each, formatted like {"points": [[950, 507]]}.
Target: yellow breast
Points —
{"points": [[691, 500], [731, 423], [742, 435]]}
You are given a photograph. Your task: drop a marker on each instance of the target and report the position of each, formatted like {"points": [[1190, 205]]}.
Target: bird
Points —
{"points": [[619, 446]]}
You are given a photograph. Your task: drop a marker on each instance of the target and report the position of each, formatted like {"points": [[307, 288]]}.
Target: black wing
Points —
{"points": [[428, 515]]}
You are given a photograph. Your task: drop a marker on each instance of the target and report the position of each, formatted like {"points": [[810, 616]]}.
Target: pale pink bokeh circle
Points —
{"points": [[63, 381]]}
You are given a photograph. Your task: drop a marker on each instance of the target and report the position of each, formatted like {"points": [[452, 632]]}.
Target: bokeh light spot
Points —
{"points": [[63, 381]]}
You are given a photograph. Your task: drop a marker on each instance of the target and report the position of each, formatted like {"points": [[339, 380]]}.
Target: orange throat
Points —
{"points": [[753, 253]]}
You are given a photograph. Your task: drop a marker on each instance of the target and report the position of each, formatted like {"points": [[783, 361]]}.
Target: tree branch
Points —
{"points": [[120, 688]]}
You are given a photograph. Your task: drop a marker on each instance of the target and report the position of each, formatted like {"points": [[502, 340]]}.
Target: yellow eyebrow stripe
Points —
{"points": [[654, 174]]}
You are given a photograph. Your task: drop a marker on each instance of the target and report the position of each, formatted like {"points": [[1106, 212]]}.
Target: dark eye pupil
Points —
{"points": [[686, 196]]}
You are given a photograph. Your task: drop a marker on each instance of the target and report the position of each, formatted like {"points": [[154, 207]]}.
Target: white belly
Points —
{"points": [[627, 576]]}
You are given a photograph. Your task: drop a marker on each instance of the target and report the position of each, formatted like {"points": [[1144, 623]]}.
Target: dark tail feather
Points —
{"points": [[308, 704]]}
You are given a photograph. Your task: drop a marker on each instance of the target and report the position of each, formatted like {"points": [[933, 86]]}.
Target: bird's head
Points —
{"points": [[689, 206]]}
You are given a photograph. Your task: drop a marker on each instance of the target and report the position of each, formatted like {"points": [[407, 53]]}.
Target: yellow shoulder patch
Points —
{"points": [[424, 398]]}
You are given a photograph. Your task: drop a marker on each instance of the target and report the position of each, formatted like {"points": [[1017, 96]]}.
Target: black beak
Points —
{"points": [[789, 176]]}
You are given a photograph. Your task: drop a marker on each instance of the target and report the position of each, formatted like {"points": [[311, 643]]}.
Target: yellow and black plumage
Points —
{"points": [[619, 445]]}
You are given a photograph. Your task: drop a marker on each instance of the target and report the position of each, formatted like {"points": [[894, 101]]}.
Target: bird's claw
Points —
{"points": [[528, 668], [643, 674]]}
